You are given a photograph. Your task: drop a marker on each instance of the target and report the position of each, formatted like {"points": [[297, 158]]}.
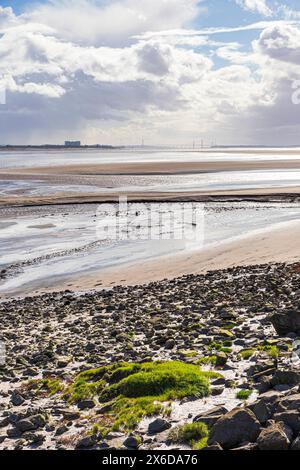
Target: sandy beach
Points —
{"points": [[276, 246]]}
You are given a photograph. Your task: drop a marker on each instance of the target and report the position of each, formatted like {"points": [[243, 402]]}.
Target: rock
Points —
{"points": [[169, 344], [234, 428], [247, 446], [158, 425], [273, 438], [86, 404], [213, 447], [291, 402], [291, 418], [261, 410], [132, 442], [25, 425], [217, 391], [290, 377], [221, 359], [87, 442], [61, 430], [17, 399], [34, 438], [212, 416], [63, 361], [13, 433], [296, 444], [286, 321]]}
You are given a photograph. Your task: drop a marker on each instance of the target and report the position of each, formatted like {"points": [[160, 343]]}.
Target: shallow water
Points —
{"points": [[67, 242], [38, 158], [215, 181]]}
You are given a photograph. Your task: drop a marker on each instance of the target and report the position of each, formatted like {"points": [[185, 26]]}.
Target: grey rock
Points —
{"points": [[286, 321], [273, 438], [296, 444], [158, 425], [291, 418], [234, 428], [132, 442], [86, 404], [17, 399]]}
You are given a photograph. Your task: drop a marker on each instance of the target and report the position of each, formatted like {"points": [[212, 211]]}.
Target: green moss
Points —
{"points": [[87, 385], [229, 326], [207, 360], [247, 353], [224, 332], [148, 387], [162, 380], [270, 350], [46, 386], [196, 326], [244, 394], [189, 353], [193, 434]]}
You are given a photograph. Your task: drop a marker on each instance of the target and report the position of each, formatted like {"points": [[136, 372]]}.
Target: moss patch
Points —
{"points": [[244, 394], [131, 391], [193, 434], [47, 387]]}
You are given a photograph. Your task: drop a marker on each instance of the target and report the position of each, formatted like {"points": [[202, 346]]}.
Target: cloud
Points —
{"points": [[281, 42], [146, 73], [256, 6], [115, 21]]}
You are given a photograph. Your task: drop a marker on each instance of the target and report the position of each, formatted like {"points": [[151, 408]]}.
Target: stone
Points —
{"points": [[213, 447], [212, 416], [234, 428], [86, 442], [291, 402], [216, 391], [25, 425], [296, 444], [291, 418], [261, 410], [286, 321], [221, 359], [283, 377], [158, 425], [273, 438], [86, 404], [132, 442], [17, 399]]}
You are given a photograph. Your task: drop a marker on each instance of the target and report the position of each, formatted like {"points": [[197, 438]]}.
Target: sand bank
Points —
{"points": [[273, 246]]}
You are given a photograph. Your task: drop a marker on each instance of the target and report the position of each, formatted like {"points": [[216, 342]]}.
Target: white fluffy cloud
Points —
{"points": [[115, 21], [258, 6]]}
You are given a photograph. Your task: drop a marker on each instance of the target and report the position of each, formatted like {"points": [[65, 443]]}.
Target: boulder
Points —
{"points": [[286, 377], [275, 437], [291, 402], [158, 425], [236, 427], [296, 444], [291, 418], [212, 416], [261, 410], [286, 321]]}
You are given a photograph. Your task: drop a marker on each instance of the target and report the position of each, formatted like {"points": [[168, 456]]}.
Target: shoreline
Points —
{"points": [[290, 194], [278, 244]]}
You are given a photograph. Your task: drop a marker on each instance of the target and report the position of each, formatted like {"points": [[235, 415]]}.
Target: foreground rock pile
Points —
{"points": [[241, 323]]}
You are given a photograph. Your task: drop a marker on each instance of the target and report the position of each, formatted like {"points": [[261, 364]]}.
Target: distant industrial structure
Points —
{"points": [[72, 143]]}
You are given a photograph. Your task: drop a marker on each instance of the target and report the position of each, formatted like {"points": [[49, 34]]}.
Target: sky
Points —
{"points": [[163, 71]]}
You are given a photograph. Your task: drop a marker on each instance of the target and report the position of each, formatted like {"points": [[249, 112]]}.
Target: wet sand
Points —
{"points": [[272, 246], [151, 168]]}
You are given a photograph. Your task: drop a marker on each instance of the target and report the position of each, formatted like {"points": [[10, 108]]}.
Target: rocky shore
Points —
{"points": [[202, 362]]}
